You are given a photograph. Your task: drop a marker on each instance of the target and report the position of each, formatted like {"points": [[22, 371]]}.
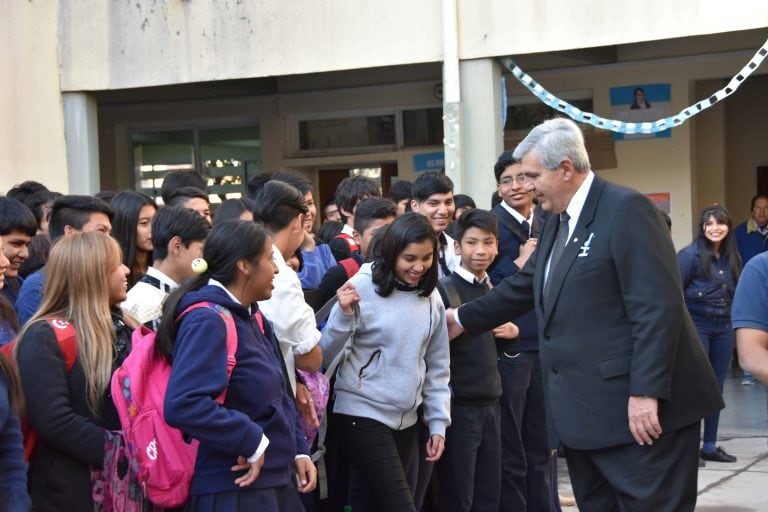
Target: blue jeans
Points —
{"points": [[717, 338]]}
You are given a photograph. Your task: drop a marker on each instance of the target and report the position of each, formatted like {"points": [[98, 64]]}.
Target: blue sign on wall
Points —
{"points": [[429, 162]]}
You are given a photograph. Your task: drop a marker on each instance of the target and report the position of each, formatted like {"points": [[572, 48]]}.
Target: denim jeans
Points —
{"points": [[717, 338]]}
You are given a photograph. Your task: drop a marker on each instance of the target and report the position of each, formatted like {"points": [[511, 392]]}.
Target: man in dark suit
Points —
{"points": [[625, 377]]}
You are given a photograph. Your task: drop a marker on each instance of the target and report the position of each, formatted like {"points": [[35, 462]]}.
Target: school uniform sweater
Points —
{"points": [[399, 358], [474, 377], [258, 401], [13, 469]]}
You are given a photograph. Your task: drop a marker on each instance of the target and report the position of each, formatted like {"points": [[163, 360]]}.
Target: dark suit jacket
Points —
{"points": [[614, 323]]}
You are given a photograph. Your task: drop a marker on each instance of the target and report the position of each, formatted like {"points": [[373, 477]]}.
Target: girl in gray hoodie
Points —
{"points": [[397, 361]]}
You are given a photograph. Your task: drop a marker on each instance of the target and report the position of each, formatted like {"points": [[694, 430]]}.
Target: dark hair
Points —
{"points": [[505, 160], [16, 216], [401, 189], [15, 395], [476, 218], [179, 197], [463, 201], [431, 182], [106, 195], [181, 179], [728, 249], [127, 206], [39, 249], [328, 231], [227, 243], [277, 204], [75, 211], [351, 190], [407, 229], [171, 221], [256, 183], [232, 209], [755, 198], [37, 203], [299, 181], [23, 191], [495, 199], [373, 208]]}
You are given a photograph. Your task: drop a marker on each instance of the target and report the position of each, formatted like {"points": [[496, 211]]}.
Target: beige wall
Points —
{"points": [[709, 132], [32, 121], [110, 45]]}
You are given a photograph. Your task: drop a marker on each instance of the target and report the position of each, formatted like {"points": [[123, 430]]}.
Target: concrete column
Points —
{"points": [[482, 134], [82, 140]]}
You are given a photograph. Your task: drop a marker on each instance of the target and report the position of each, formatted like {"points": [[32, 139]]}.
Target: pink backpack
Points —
{"points": [[163, 461]]}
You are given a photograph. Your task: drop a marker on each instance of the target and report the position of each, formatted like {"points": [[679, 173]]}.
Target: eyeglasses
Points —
{"points": [[508, 180]]}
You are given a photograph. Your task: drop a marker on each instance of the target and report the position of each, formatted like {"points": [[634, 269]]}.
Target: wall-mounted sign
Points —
{"points": [[429, 162]]}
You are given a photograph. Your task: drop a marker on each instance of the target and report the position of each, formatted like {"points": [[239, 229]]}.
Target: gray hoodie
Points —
{"points": [[399, 357]]}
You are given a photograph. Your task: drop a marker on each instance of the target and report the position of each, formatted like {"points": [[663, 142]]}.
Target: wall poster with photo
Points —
{"points": [[640, 103]]}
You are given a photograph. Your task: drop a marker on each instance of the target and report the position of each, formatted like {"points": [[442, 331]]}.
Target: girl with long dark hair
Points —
{"points": [[710, 268], [252, 444], [132, 228], [397, 361]]}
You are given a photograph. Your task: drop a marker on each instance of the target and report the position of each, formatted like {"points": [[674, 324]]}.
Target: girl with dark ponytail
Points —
{"points": [[252, 444]]}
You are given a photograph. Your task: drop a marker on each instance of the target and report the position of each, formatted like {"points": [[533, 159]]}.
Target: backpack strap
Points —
{"points": [[229, 321], [66, 336], [351, 266], [449, 292]]}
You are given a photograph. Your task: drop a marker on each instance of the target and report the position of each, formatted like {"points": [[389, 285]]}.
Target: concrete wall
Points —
{"points": [[32, 141], [111, 45]]}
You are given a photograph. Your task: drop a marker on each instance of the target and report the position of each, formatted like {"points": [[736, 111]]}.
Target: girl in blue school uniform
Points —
{"points": [[252, 445]]}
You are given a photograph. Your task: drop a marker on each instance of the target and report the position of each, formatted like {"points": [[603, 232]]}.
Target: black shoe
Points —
{"points": [[702, 464], [719, 455]]}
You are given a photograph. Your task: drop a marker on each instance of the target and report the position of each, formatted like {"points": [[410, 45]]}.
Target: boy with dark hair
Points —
{"points": [[433, 197], [351, 191], [470, 469], [400, 193], [17, 227], [23, 191], [331, 211], [193, 198], [527, 469], [69, 214], [281, 208], [371, 215], [178, 235], [175, 180]]}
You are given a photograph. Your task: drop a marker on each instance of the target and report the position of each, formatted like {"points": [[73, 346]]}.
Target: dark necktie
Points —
{"points": [[526, 228], [557, 249]]}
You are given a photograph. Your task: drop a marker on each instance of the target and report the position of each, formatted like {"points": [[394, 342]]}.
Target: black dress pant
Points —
{"points": [[381, 457], [660, 477]]}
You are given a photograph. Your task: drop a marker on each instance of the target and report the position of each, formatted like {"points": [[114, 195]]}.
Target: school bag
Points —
{"points": [[161, 457], [66, 336]]}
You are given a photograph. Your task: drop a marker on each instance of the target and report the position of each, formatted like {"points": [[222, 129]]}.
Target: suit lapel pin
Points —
{"points": [[584, 250]]}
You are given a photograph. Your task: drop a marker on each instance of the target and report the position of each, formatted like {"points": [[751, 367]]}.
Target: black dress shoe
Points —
{"points": [[719, 455]]}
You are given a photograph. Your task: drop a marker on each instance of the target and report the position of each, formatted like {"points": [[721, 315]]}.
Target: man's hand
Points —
{"points": [[435, 447], [306, 474], [454, 329], [348, 297], [507, 331], [306, 405], [253, 470], [308, 244], [642, 412]]}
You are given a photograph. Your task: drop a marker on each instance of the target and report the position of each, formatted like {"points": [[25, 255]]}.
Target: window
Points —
{"points": [[347, 132]]}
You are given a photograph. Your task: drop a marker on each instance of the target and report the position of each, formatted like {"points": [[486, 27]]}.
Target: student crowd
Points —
{"points": [[407, 421]]}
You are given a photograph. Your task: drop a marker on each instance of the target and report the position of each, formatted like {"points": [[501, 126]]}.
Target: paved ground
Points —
{"points": [[737, 487]]}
